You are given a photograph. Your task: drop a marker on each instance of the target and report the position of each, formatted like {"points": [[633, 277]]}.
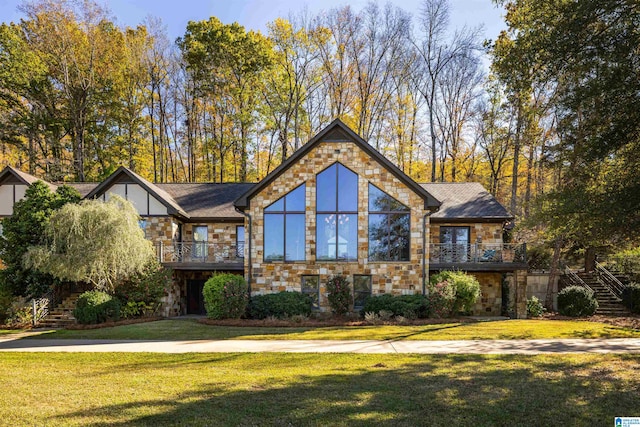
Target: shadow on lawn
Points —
{"points": [[435, 390]]}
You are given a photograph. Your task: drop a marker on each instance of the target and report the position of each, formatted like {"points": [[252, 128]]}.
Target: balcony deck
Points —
{"points": [[478, 257], [201, 256]]}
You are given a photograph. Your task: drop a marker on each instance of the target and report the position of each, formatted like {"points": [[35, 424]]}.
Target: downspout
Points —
{"points": [[424, 251], [246, 215]]}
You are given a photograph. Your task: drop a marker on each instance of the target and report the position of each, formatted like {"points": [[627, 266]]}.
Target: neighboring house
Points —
{"points": [[336, 206]]}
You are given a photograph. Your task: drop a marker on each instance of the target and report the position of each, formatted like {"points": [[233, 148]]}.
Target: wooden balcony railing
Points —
{"points": [[201, 252], [501, 253]]}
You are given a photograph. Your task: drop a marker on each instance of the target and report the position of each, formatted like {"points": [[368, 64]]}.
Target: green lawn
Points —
{"points": [[278, 389], [505, 329]]}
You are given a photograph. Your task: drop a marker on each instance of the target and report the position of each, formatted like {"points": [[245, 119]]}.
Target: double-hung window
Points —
{"points": [[284, 227], [337, 214], [389, 230]]}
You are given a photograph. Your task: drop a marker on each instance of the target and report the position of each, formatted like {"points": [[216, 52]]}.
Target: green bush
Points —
{"points": [[442, 296], [631, 297], [576, 301], [408, 306], [628, 262], [466, 289], [339, 295], [140, 294], [535, 307], [225, 296], [281, 305], [96, 307]]}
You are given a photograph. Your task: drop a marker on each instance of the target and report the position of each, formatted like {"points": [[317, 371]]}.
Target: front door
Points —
{"points": [[455, 244], [195, 300]]}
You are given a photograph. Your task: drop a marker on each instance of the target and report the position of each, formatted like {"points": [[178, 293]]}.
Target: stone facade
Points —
{"points": [[386, 277], [517, 285], [161, 229], [490, 302]]}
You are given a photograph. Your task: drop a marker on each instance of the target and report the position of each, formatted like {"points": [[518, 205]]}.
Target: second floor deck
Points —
{"points": [[478, 256], [201, 255]]}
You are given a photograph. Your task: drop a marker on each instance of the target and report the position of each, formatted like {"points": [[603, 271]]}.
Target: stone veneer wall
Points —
{"points": [[387, 277], [161, 229], [223, 233], [490, 302], [517, 285]]}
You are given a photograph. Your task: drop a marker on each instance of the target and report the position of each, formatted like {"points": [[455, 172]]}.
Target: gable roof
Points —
{"points": [[337, 131], [466, 201], [173, 208], [22, 177], [212, 201]]}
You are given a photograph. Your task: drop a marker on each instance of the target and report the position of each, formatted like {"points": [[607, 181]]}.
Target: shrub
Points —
{"points": [[96, 307], [466, 289], [629, 262], [576, 301], [225, 296], [339, 295], [140, 294], [631, 297], [280, 305], [6, 298], [408, 306], [441, 298], [535, 307]]}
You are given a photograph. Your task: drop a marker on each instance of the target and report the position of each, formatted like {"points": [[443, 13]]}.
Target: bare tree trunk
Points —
{"points": [[554, 275]]}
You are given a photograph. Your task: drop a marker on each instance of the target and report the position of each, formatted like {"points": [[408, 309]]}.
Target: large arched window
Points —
{"points": [[337, 214], [284, 228], [389, 233]]}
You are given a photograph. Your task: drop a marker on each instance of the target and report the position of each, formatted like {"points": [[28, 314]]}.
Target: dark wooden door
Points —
{"points": [[195, 300]]}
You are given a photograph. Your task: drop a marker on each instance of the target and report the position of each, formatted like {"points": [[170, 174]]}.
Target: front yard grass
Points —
{"points": [[78, 389], [504, 329]]}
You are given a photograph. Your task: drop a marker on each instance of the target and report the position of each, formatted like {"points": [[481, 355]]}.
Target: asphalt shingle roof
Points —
{"points": [[467, 200], [207, 200]]}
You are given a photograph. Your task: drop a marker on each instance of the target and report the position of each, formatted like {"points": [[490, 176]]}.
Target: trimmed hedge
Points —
{"points": [[96, 307], [631, 297], [225, 296], [280, 305], [409, 306], [576, 301]]}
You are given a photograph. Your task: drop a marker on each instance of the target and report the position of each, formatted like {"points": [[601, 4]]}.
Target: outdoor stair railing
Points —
{"points": [[40, 307], [575, 280], [610, 281]]}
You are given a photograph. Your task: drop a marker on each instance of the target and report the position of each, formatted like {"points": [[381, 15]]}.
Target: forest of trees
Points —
{"points": [[552, 129]]}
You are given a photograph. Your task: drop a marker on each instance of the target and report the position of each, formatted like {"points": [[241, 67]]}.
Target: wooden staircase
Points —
{"points": [[608, 303], [62, 315]]}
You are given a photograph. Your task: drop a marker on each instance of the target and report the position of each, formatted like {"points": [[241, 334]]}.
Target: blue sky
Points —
{"points": [[254, 14]]}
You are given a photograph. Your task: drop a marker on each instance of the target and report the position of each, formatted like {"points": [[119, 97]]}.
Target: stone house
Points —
{"points": [[336, 206]]}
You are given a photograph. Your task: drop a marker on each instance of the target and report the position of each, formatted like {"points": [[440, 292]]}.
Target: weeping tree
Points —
{"points": [[96, 242]]}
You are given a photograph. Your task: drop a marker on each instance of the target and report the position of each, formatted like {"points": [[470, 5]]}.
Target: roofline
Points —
{"points": [[104, 184], [472, 219], [10, 170], [430, 202]]}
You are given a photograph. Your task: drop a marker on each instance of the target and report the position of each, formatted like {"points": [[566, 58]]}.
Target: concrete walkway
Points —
{"points": [[546, 346]]}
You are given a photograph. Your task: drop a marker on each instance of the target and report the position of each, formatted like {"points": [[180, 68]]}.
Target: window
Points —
{"points": [[337, 214], [284, 227], [240, 241], [361, 290], [454, 244], [200, 239], [389, 234], [143, 224], [311, 286]]}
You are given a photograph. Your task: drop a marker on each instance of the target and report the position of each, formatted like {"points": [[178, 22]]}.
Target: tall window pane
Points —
{"points": [[284, 227], [389, 227], [337, 219], [295, 233], [274, 237]]}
